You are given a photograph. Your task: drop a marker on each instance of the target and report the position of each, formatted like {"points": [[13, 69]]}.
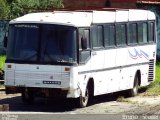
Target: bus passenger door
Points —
{"points": [[110, 81], [121, 60], [121, 55], [97, 57], [84, 57], [97, 68]]}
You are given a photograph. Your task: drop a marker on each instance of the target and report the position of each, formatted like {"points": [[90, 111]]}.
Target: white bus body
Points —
{"points": [[113, 51]]}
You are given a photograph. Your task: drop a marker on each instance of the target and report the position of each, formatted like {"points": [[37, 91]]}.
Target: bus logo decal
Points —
{"points": [[138, 54]]}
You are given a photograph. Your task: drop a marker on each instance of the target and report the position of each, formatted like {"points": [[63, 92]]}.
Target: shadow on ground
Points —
{"points": [[52, 105]]}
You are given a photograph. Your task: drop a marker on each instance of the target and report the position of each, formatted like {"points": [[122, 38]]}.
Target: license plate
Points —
{"points": [[52, 82]]}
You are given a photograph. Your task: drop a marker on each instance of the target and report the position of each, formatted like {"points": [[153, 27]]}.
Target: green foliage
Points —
{"points": [[122, 99], [49, 4], [4, 10], [2, 61], [10, 9], [21, 7]]}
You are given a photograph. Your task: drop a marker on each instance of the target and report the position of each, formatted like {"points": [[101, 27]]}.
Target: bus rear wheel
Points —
{"points": [[134, 91]]}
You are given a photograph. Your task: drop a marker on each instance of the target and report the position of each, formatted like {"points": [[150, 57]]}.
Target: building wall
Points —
{"points": [[83, 3], [106, 3]]}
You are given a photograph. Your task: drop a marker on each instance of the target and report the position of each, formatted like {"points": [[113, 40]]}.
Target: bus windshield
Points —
{"points": [[43, 43]]}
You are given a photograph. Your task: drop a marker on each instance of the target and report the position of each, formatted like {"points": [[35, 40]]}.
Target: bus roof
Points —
{"points": [[86, 18]]}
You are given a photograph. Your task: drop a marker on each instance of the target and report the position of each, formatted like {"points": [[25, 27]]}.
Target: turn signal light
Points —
{"points": [[67, 69], [9, 66]]}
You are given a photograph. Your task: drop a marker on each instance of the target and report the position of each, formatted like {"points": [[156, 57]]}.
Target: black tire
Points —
{"points": [[134, 91], [28, 97], [83, 101]]}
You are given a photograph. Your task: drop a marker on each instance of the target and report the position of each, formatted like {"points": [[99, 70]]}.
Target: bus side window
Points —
{"points": [[142, 33], [112, 35], [132, 33], [109, 35], [97, 36], [120, 34], [84, 42], [84, 34], [151, 30]]}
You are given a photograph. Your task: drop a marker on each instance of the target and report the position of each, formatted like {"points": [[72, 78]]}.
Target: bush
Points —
{"points": [[2, 62]]}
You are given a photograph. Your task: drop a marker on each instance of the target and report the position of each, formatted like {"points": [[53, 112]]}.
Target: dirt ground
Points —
{"points": [[135, 105], [105, 104]]}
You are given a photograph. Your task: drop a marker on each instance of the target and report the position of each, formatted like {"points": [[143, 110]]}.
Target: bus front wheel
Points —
{"points": [[83, 100], [28, 97]]}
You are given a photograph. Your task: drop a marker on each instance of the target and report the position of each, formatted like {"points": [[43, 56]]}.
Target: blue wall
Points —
{"points": [[158, 35], [3, 29], [156, 10]]}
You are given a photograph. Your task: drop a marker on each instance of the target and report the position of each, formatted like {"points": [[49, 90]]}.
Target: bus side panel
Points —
{"points": [[83, 75], [111, 77], [97, 68], [9, 75], [121, 64]]}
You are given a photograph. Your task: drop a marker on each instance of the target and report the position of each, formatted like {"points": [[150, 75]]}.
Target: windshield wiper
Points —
{"points": [[57, 59], [30, 56], [62, 61]]}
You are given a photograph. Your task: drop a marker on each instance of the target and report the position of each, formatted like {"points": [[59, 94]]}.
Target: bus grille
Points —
{"points": [[40, 76], [151, 71]]}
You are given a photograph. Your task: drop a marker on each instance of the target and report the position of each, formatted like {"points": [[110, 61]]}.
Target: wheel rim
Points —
{"points": [[84, 100], [135, 88]]}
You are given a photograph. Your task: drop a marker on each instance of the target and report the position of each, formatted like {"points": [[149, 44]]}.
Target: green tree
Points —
{"points": [[4, 10], [21, 7], [50, 4]]}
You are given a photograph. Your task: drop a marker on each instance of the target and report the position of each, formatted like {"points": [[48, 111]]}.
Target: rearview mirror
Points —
{"points": [[84, 43]]}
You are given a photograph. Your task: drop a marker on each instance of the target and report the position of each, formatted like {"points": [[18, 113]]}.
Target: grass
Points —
{"points": [[2, 61], [122, 99], [154, 88], [1, 85], [2, 64]]}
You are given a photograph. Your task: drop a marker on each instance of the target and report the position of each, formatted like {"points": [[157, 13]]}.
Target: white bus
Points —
{"points": [[80, 54]]}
